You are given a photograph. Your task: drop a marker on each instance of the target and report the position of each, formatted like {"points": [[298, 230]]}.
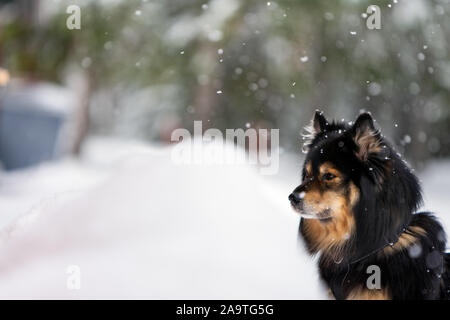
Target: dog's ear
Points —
{"points": [[318, 122], [317, 125], [365, 136]]}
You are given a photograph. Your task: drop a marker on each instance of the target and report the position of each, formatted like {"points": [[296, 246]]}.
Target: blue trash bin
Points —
{"points": [[29, 130]]}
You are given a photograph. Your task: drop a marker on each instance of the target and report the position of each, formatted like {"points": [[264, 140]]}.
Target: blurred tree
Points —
{"points": [[150, 66]]}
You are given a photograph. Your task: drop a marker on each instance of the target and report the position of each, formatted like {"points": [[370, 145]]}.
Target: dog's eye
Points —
{"points": [[328, 176]]}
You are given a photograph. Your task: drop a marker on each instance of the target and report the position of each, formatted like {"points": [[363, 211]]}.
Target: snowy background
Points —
{"points": [[86, 116]]}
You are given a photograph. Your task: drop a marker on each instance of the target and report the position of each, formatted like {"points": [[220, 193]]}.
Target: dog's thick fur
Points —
{"points": [[363, 200]]}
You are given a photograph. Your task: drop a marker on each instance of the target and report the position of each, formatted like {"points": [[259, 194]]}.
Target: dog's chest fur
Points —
{"points": [[412, 268]]}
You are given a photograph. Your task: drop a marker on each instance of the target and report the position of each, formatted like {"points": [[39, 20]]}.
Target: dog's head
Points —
{"points": [[353, 182], [336, 153]]}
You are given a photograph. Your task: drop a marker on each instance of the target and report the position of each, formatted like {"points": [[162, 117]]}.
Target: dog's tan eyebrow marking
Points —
{"points": [[330, 168]]}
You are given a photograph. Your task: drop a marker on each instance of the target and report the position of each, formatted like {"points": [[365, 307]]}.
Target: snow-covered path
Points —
{"points": [[157, 230]]}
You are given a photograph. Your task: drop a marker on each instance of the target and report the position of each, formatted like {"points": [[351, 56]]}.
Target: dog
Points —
{"points": [[358, 202]]}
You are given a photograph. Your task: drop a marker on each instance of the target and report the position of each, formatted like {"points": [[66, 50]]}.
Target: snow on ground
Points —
{"points": [[152, 229], [139, 226]]}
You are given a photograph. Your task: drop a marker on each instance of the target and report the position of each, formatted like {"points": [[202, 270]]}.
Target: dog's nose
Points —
{"points": [[294, 198]]}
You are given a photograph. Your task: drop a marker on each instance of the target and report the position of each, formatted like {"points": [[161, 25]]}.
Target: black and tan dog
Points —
{"points": [[358, 202]]}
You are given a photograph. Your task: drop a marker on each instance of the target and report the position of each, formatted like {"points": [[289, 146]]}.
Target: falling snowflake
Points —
{"points": [[407, 138], [374, 89], [86, 62]]}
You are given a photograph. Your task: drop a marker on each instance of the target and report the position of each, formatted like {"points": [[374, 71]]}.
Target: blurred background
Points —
{"points": [[138, 69]]}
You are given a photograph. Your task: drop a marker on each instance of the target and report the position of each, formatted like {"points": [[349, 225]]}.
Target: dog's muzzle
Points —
{"points": [[297, 203]]}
